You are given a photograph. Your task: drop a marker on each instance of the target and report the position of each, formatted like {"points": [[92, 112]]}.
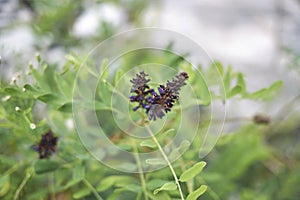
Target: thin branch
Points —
{"points": [[167, 160], [93, 190], [23, 183], [141, 173]]}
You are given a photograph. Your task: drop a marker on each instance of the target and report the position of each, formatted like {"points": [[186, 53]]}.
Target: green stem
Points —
{"points": [[51, 185], [23, 183], [189, 183], [91, 187], [167, 160], [13, 168], [141, 173]]}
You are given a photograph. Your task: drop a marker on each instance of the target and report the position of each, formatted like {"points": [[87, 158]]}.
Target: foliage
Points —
{"points": [[259, 160], [71, 171]]}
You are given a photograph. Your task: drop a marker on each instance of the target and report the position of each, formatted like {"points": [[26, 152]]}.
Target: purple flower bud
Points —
{"points": [[161, 90]]}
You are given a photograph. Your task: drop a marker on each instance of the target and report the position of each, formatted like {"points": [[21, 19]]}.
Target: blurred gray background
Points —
{"points": [[259, 38]]}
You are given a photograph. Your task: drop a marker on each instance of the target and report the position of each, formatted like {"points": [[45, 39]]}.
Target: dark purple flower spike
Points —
{"points": [[156, 104], [47, 145], [141, 90]]}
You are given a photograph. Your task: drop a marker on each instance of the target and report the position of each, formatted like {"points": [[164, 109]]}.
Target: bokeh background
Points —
{"points": [[259, 38]]}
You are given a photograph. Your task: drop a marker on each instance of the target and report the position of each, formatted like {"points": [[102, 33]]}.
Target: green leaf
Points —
{"points": [[166, 187], [101, 106], [118, 76], [65, 85], [4, 185], [110, 181], [155, 183], [39, 78], [192, 172], [201, 89], [156, 161], [234, 91], [131, 187], [227, 79], [74, 60], [104, 92], [66, 107], [11, 91], [49, 76], [188, 68], [148, 143], [168, 131], [104, 69], [49, 98], [30, 88], [241, 82], [266, 93], [179, 150], [69, 184], [81, 193], [219, 67], [127, 166], [197, 193], [44, 166], [78, 172]]}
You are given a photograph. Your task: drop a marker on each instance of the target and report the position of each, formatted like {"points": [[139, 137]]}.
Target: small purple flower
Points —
{"points": [[47, 145]]}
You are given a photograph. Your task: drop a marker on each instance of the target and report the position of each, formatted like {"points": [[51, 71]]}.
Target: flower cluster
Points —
{"points": [[47, 145], [156, 104]]}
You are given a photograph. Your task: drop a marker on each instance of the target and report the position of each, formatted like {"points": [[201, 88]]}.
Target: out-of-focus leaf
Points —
{"points": [[192, 172], [44, 166], [30, 88], [81, 193], [110, 181], [79, 172], [118, 76], [74, 60], [241, 82], [265, 93], [197, 193], [4, 185], [179, 150], [49, 76], [66, 107], [201, 89], [234, 91], [159, 196], [12, 91], [168, 131], [64, 85], [131, 187], [104, 69], [49, 98], [227, 79], [40, 80], [156, 161], [220, 68], [155, 183], [105, 92], [166, 187], [148, 143], [128, 166]]}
